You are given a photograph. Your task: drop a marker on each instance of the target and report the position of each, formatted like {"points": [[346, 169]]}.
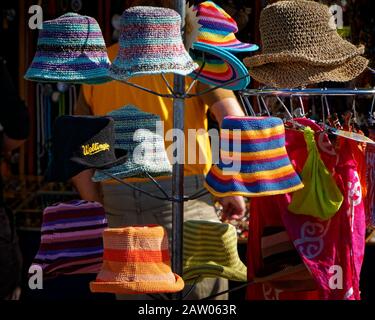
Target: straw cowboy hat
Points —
{"points": [[301, 46]]}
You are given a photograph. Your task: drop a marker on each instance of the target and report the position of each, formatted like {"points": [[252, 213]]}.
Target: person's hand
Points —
{"points": [[234, 207]]}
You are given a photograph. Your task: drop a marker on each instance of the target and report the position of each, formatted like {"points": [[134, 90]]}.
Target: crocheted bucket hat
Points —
{"points": [[302, 46], [136, 260], [218, 29], [150, 43], [253, 159], [210, 251], [70, 48], [136, 131], [80, 143], [220, 67], [282, 267], [71, 240]]}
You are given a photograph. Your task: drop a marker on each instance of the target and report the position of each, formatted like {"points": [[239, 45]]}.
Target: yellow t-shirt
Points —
{"points": [[107, 97]]}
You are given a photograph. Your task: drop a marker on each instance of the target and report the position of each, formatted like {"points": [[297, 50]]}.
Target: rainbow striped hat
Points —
{"points": [[151, 43], [71, 49], [71, 241], [218, 29], [253, 159], [210, 251], [136, 261], [219, 67]]}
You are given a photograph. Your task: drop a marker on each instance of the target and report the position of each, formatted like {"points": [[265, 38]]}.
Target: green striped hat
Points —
{"points": [[210, 251]]}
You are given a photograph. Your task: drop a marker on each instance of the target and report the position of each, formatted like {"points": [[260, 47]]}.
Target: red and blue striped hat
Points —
{"points": [[71, 240], [70, 49], [253, 159], [218, 29], [151, 43]]}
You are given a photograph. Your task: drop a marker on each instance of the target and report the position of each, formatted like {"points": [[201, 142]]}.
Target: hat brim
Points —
{"points": [[236, 186], [232, 74], [233, 46], [338, 54], [297, 74], [209, 270], [122, 70], [90, 71], [120, 160], [138, 287]]}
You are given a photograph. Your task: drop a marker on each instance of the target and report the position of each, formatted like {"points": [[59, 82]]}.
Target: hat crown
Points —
{"points": [[295, 25], [211, 16], [78, 30], [150, 25]]}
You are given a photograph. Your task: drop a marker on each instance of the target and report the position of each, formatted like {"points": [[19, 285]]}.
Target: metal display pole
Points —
{"points": [[178, 167]]}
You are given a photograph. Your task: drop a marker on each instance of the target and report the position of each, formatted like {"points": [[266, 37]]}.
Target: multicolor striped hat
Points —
{"points": [[150, 43], [70, 48], [253, 159], [71, 241], [218, 29], [136, 260], [210, 251], [136, 132], [219, 67]]}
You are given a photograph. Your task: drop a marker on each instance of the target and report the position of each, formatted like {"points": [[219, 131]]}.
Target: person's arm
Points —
{"points": [[87, 189], [223, 103]]}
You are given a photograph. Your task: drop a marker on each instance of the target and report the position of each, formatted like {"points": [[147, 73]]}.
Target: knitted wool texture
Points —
{"points": [[136, 131], [150, 43], [71, 240], [301, 46], [219, 28], [136, 260], [210, 251], [253, 159], [70, 49]]}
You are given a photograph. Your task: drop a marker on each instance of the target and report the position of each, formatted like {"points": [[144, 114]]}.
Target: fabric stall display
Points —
{"points": [[136, 261], [80, 143], [70, 49], [136, 131], [150, 43], [331, 249], [253, 159], [214, 48], [283, 268], [301, 46], [71, 239], [321, 196], [210, 251]]}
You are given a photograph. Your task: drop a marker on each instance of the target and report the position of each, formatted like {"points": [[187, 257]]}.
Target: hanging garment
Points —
{"points": [[320, 197], [370, 181], [332, 250]]}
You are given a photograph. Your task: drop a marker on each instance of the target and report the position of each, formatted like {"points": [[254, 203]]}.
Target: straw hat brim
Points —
{"points": [[138, 287], [297, 74], [335, 54]]}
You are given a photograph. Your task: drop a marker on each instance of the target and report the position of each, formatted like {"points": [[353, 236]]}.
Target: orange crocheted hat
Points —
{"points": [[136, 261]]}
